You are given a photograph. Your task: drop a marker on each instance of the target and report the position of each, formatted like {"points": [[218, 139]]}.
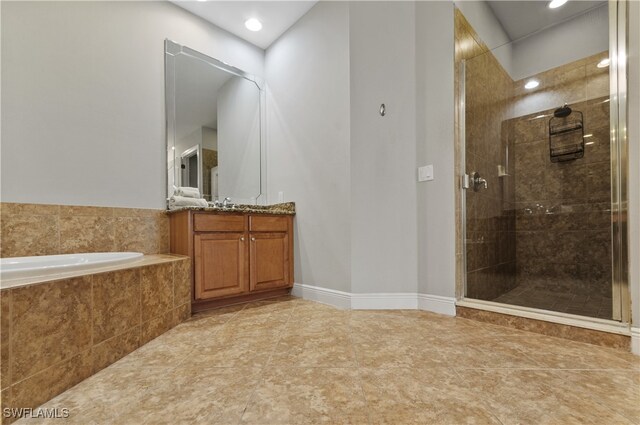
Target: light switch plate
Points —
{"points": [[425, 173]]}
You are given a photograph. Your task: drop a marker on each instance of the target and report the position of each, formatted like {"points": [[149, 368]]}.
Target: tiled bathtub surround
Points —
{"points": [[57, 333], [38, 229]]}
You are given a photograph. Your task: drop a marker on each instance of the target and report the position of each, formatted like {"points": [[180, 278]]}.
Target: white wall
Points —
{"points": [[580, 37], [187, 142], [435, 145], [364, 225], [83, 98], [383, 174], [209, 138], [307, 70], [634, 159], [239, 141]]}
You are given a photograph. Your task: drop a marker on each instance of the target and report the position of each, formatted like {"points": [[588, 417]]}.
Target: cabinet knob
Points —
{"points": [[253, 239], [242, 239]]}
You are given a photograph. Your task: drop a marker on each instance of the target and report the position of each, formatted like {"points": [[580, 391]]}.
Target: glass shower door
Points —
{"points": [[537, 164]]}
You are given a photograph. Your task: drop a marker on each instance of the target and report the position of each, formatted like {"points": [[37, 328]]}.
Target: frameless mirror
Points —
{"points": [[213, 127]]}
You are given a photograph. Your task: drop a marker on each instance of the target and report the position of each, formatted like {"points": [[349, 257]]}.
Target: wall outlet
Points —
{"points": [[425, 173], [280, 197]]}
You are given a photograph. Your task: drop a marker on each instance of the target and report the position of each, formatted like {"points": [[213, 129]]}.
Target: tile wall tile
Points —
{"points": [[43, 386], [157, 290], [182, 282], [5, 339], [113, 349], [116, 303], [50, 322], [38, 229]]}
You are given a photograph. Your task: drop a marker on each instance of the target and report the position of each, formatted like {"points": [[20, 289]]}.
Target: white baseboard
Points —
{"points": [[384, 301], [635, 341], [376, 301], [332, 297], [437, 304]]}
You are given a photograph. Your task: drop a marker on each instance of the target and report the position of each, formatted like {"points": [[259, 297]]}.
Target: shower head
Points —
{"points": [[562, 112]]}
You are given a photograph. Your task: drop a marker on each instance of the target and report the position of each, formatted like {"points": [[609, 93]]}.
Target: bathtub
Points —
{"points": [[75, 301], [47, 265]]}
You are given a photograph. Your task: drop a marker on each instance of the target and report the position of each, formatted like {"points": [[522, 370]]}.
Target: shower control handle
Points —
{"points": [[477, 181]]}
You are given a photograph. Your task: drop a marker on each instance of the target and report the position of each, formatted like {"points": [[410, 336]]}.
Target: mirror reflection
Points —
{"points": [[213, 130]]}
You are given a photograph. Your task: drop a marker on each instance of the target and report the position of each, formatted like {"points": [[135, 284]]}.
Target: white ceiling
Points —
{"points": [[276, 16], [521, 18]]}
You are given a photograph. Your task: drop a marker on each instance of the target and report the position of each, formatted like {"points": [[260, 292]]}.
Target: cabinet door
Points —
{"points": [[220, 264], [269, 259]]}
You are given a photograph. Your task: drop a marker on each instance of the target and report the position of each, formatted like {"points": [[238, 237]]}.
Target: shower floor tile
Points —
{"points": [[291, 361], [564, 302]]}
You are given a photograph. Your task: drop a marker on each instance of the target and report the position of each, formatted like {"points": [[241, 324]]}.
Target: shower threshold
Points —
{"points": [[539, 297], [592, 323]]}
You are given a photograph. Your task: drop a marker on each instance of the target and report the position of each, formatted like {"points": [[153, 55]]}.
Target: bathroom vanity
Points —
{"points": [[214, 145], [236, 256]]}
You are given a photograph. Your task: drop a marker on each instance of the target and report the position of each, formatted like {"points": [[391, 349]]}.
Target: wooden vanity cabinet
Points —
{"points": [[270, 249], [236, 256], [220, 262]]}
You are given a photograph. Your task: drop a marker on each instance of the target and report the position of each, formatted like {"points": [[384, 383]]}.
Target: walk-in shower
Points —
{"points": [[538, 159]]}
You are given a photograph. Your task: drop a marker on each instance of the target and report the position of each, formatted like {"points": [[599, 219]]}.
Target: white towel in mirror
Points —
{"points": [[182, 201], [187, 192]]}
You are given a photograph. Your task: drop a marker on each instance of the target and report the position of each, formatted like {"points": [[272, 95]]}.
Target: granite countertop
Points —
{"points": [[287, 208]]}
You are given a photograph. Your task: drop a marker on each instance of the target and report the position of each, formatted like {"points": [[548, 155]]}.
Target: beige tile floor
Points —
{"points": [[290, 361]]}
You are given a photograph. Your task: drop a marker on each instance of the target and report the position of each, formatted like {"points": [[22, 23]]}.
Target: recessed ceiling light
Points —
{"points": [[253, 24], [553, 4], [603, 63], [532, 84]]}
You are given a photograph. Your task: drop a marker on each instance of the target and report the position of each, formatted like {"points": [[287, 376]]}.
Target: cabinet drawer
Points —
{"points": [[218, 223], [268, 224]]}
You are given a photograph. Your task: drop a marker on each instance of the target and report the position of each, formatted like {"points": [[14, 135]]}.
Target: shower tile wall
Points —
{"points": [[491, 260], [563, 236]]}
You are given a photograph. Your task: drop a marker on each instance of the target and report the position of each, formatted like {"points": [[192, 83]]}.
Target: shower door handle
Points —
{"points": [[477, 181]]}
